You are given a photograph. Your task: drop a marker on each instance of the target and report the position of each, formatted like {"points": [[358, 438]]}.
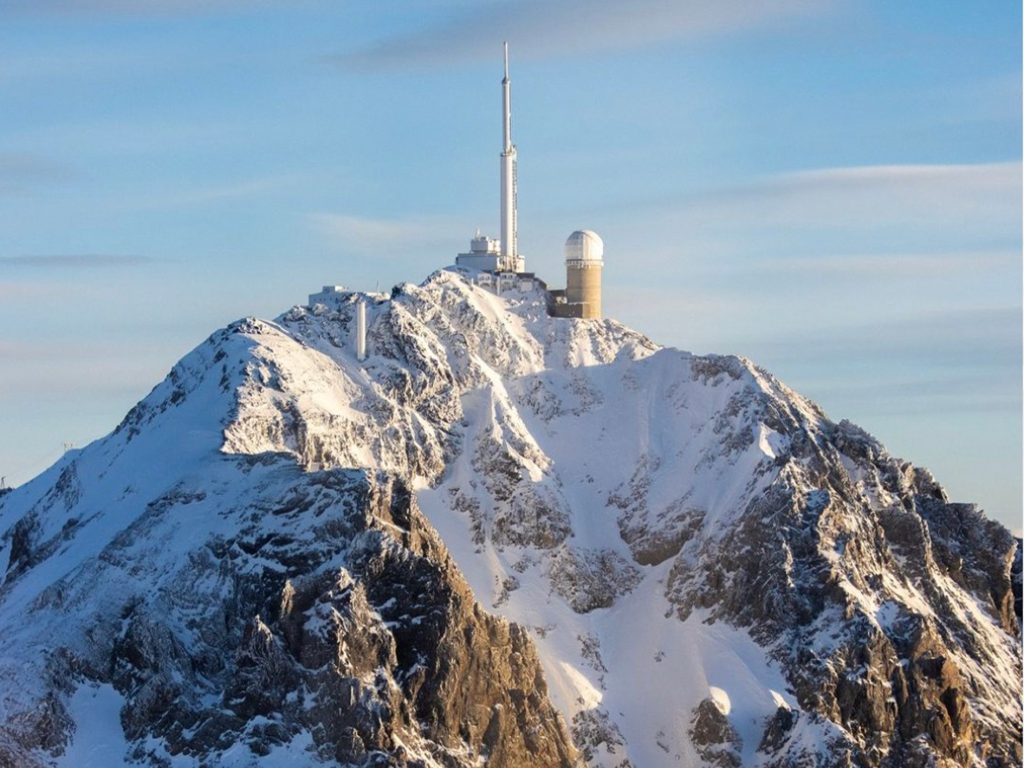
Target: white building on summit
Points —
{"points": [[499, 261], [485, 255]]}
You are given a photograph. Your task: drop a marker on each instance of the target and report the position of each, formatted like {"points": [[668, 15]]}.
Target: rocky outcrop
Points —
{"points": [[593, 730], [1015, 576], [843, 566], [715, 739], [591, 579], [349, 627]]}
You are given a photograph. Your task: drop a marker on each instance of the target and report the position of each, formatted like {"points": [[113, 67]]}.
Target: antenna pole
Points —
{"points": [[506, 103]]}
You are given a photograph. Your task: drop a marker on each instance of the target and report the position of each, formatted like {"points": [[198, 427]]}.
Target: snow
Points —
{"points": [[98, 740], [587, 695], [721, 699], [887, 614], [699, 661], [780, 700], [770, 442], [295, 752], [635, 411], [292, 753]]}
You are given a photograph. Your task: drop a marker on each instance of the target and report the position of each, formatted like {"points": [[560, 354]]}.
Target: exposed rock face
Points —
{"points": [[331, 622], [1016, 579], [694, 564], [855, 601], [592, 579], [712, 734], [854, 597]]}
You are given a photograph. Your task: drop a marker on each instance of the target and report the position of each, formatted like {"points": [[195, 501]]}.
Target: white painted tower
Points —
{"points": [[501, 255], [509, 233]]}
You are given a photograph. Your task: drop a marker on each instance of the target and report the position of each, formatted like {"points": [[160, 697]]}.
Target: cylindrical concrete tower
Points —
{"points": [[509, 225], [584, 259]]}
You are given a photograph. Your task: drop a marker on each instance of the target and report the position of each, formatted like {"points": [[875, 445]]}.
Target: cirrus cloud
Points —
{"points": [[540, 28]]}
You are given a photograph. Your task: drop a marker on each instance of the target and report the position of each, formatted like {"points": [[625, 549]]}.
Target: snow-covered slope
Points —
{"points": [[709, 569]]}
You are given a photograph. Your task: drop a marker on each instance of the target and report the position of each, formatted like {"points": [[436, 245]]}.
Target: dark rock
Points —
{"points": [[778, 730], [1015, 575], [591, 579], [714, 737]]}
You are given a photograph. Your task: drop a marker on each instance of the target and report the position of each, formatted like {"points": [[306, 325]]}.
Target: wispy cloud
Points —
{"points": [[69, 370], [982, 338], [107, 60], [12, 291], [22, 172], [874, 194], [948, 393], [983, 173], [21, 351], [125, 138], [926, 365], [539, 28], [74, 261], [128, 7], [68, 61], [884, 266], [871, 220], [204, 194], [362, 234], [966, 177]]}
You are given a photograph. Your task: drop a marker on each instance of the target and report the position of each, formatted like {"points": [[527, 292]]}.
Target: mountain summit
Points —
{"points": [[502, 538]]}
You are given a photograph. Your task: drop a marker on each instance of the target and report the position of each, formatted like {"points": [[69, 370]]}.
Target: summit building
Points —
{"points": [[498, 260]]}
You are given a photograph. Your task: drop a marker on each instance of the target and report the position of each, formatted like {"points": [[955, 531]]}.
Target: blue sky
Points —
{"points": [[830, 187]]}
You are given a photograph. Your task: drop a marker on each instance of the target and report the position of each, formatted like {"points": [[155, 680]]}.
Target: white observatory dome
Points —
{"points": [[584, 245]]}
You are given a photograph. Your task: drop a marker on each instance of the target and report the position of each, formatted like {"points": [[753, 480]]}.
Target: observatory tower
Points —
{"points": [[584, 260]]}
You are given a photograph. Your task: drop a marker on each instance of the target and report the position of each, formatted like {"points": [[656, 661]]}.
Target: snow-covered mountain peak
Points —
{"points": [[711, 571]]}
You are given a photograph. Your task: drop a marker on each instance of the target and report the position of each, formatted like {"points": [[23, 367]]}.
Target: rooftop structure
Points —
{"points": [[330, 296], [484, 254], [584, 247]]}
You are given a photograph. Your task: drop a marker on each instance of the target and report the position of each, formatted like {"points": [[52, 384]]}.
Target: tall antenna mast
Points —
{"points": [[506, 88], [509, 233]]}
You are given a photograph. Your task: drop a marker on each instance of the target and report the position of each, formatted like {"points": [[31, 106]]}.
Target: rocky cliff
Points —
{"points": [[505, 539]]}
